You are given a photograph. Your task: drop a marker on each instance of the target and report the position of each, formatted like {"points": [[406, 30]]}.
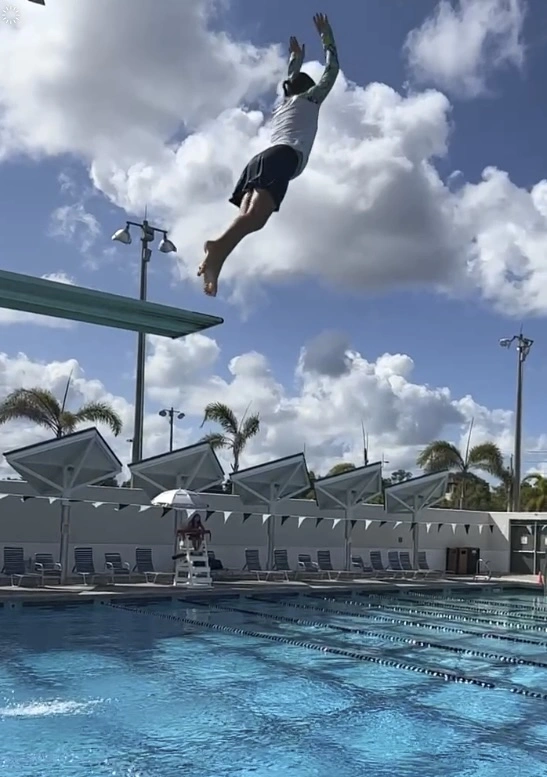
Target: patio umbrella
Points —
{"points": [[180, 500]]}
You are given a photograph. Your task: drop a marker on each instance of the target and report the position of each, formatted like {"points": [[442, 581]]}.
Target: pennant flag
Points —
{"points": [[454, 527], [353, 523], [284, 519], [3, 496], [336, 522], [52, 499], [98, 504], [367, 524], [26, 498], [142, 508], [428, 527], [439, 527], [165, 511], [467, 527], [412, 525], [74, 501], [265, 519], [397, 524], [209, 513], [246, 516], [301, 520], [491, 528], [317, 522], [226, 516], [122, 507], [481, 527], [382, 523]]}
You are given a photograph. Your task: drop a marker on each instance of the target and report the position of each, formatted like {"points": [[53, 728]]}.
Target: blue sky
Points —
{"points": [[453, 342]]}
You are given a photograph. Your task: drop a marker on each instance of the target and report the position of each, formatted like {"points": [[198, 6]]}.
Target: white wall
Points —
{"points": [[35, 525]]}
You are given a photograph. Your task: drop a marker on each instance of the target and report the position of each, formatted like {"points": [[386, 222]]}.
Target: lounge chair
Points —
{"points": [[47, 568], [377, 565], [306, 565], [424, 567], [281, 562], [144, 565], [14, 566], [325, 565], [115, 567], [215, 564], [406, 564], [393, 564], [358, 563], [83, 564]]}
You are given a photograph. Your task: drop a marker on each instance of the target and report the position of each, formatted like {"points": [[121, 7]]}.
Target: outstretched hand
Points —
{"points": [[295, 47], [321, 22]]}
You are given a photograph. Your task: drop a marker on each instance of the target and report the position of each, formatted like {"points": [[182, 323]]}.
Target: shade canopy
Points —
{"points": [[195, 468], [344, 491], [61, 466], [63, 300], [180, 499], [416, 494], [265, 484]]}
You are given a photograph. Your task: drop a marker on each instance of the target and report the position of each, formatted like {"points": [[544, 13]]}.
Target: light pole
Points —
{"points": [[166, 246], [523, 349], [171, 412]]}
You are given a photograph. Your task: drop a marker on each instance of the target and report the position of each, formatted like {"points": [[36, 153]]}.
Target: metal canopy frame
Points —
{"points": [[62, 300], [345, 491], [77, 448], [267, 484], [194, 468], [414, 495]]}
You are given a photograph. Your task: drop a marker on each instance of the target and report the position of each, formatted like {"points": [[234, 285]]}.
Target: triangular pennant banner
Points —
{"points": [[481, 527], [265, 519], [98, 504], [26, 498], [336, 522], [165, 511], [428, 527], [467, 526], [412, 525], [317, 522], [209, 513], [491, 528], [142, 508], [454, 527], [367, 524], [284, 519], [122, 507], [246, 516], [52, 499], [301, 520], [353, 523], [397, 524], [3, 496], [382, 523], [226, 516], [440, 526]]}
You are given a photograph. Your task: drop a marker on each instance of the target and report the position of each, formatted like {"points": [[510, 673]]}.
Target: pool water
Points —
{"points": [[140, 691]]}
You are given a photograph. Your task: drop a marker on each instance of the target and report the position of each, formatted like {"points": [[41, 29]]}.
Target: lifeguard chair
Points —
{"points": [[192, 568]]}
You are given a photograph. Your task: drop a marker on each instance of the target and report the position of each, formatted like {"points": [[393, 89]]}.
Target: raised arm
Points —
{"points": [[296, 57], [319, 92]]}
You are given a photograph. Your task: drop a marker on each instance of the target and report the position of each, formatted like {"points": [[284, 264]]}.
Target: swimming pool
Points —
{"points": [[414, 685]]}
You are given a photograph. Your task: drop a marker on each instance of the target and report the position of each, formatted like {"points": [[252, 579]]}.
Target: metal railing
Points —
{"points": [[486, 573]]}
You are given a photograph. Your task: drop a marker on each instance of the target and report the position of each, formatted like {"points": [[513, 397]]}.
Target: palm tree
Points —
{"points": [[43, 408], [235, 434], [442, 455], [534, 493]]}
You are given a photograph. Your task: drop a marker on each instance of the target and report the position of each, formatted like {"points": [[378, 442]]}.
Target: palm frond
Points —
{"points": [[487, 456], [440, 455], [99, 413], [36, 405], [217, 440], [250, 427], [219, 413]]}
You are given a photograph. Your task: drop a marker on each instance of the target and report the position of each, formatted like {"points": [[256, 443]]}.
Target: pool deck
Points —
{"points": [[13, 596]]}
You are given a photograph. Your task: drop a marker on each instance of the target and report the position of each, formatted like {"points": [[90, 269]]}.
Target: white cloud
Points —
{"points": [[10, 317], [371, 197], [76, 225], [463, 43]]}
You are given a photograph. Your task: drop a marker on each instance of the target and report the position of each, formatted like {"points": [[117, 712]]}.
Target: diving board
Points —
{"points": [[90, 306]]}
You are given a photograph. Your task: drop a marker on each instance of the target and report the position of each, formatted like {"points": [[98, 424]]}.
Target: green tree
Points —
{"points": [[340, 469], [399, 476], [534, 494], [442, 455], [235, 434], [41, 407]]}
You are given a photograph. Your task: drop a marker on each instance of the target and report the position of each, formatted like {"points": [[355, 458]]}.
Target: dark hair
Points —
{"points": [[298, 84]]}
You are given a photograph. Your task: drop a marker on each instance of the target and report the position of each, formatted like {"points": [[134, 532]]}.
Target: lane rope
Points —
{"points": [[486, 602]]}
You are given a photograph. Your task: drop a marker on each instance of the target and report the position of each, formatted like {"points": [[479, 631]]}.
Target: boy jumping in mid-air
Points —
{"points": [[264, 182]]}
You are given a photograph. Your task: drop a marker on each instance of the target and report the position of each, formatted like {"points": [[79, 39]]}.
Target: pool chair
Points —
{"points": [[215, 564], [307, 566], [378, 569], [252, 564], [144, 565], [14, 566], [424, 567], [394, 564], [406, 563], [325, 565], [47, 568], [359, 565], [84, 565], [116, 568], [281, 562]]}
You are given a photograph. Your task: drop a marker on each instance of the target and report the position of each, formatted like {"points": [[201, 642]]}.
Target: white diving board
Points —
{"points": [[89, 306]]}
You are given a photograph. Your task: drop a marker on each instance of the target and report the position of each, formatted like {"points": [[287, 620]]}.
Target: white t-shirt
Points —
{"points": [[294, 124]]}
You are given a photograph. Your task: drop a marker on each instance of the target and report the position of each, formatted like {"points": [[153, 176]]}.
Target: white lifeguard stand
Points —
{"points": [[192, 568]]}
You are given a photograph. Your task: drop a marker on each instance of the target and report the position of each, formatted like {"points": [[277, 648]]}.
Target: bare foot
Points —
{"points": [[210, 267]]}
